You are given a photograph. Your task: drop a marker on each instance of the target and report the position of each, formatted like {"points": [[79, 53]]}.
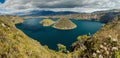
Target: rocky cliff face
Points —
{"points": [[102, 17], [84, 16]]}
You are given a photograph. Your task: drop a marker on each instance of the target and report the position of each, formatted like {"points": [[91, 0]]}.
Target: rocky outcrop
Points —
{"points": [[64, 24], [47, 22]]}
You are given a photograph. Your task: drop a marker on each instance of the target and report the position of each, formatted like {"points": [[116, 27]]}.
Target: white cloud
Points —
{"points": [[59, 5]]}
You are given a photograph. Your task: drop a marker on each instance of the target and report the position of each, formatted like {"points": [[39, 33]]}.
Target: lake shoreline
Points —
{"points": [[45, 34]]}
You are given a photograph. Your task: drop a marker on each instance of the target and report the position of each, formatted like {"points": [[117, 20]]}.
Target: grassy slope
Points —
{"points": [[15, 44], [64, 24], [47, 22], [105, 43]]}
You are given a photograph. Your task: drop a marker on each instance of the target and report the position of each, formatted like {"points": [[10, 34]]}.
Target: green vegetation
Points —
{"points": [[64, 24], [15, 44], [116, 54], [47, 22], [62, 48]]}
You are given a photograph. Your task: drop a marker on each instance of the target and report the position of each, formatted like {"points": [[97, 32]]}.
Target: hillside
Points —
{"points": [[103, 16], [15, 44], [64, 24], [47, 22], [103, 44], [44, 13]]}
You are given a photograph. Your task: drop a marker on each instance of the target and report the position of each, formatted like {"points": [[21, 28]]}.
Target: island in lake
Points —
{"points": [[47, 22], [64, 24]]}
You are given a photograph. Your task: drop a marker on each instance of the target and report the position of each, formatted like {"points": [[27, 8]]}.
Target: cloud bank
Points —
{"points": [[13, 6]]}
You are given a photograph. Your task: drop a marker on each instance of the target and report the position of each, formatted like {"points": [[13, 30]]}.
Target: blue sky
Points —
{"points": [[15, 6]]}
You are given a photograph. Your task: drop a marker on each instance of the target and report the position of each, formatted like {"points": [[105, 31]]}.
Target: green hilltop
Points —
{"points": [[47, 22], [64, 24]]}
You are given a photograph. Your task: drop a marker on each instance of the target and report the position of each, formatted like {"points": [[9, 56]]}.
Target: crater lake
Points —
{"points": [[51, 37]]}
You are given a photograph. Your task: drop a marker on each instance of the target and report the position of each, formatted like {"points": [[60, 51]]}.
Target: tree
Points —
{"points": [[62, 48], [82, 38]]}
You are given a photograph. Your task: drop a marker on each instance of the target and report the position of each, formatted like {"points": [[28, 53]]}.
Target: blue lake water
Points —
{"points": [[51, 37]]}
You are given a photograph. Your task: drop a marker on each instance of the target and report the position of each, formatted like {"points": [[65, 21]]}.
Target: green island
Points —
{"points": [[47, 22], [64, 24]]}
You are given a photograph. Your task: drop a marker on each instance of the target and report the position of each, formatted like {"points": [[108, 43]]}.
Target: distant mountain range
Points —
{"points": [[45, 13], [108, 11], [52, 13]]}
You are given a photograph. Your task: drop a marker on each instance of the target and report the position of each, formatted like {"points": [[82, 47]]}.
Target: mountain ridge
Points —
{"points": [[44, 13]]}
